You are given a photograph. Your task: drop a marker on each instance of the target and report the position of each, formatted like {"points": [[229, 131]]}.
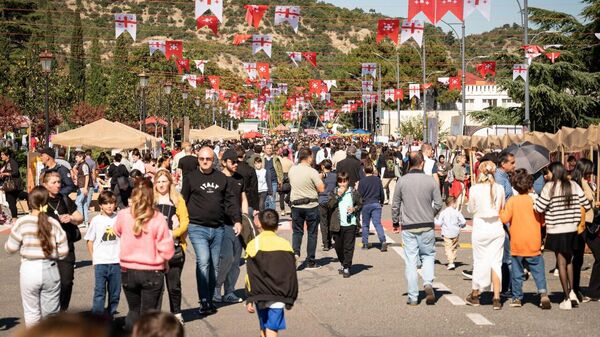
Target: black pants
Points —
{"points": [[11, 199], [66, 270], [593, 241], [282, 196], [344, 245], [578, 262], [143, 289], [325, 217], [173, 280], [310, 217]]}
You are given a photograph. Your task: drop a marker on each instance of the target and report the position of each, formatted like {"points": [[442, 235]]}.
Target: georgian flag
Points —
{"points": [[412, 29], [414, 90], [191, 79], [295, 57], [262, 42], [250, 69], [157, 45], [290, 14], [389, 95], [346, 108], [125, 22], [215, 6], [369, 69], [444, 80], [200, 65], [367, 85], [283, 87], [483, 6], [329, 115], [330, 83], [519, 70], [211, 94]]}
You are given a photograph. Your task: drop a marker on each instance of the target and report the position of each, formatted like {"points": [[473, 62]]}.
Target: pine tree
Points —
{"points": [[96, 90], [77, 61], [121, 97]]}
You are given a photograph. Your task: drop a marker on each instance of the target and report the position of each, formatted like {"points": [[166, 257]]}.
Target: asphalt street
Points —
{"points": [[370, 303]]}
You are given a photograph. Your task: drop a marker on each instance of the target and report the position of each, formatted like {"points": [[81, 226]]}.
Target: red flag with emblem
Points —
{"points": [[455, 7], [310, 57], [240, 38], [209, 21], [255, 13], [487, 67], [214, 81], [388, 28], [553, 56], [182, 64], [398, 94], [263, 71], [454, 83], [174, 47], [316, 87], [417, 6]]}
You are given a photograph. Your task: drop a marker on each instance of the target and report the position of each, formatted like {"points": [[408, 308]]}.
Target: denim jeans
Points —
{"points": [[270, 201], [311, 217], [207, 246], [108, 277], [83, 203], [372, 212], [537, 269], [229, 263], [418, 246]]}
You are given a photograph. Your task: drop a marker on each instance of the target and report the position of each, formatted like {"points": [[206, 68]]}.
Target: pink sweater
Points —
{"points": [[150, 249]]}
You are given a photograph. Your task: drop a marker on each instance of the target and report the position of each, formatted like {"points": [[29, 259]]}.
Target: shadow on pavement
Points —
{"points": [[7, 323], [358, 268]]}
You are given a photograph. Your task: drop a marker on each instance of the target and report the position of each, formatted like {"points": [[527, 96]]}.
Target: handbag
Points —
{"points": [[178, 257], [10, 185], [593, 228]]}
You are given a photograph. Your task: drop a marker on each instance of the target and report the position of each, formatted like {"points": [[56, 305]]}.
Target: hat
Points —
{"points": [[48, 151], [230, 154], [351, 150]]}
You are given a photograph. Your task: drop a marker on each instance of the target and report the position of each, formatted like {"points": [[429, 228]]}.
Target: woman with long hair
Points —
{"points": [[40, 241], [561, 201], [486, 199], [146, 248], [172, 206]]}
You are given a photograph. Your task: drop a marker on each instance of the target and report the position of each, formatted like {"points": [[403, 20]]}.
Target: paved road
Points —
{"points": [[370, 303]]}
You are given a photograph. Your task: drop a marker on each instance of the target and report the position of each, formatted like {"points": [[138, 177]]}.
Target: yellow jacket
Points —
{"points": [[184, 220]]}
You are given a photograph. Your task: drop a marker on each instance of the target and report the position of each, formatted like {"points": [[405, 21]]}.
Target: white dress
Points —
{"points": [[488, 234]]}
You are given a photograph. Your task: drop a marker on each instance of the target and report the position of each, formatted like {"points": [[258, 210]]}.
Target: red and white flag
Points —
{"points": [[211, 95], [156, 45], [369, 98], [263, 71], [483, 6], [487, 67], [255, 13], [455, 7], [388, 28], [174, 48], [532, 51], [311, 57], [454, 83], [209, 21], [330, 83], [250, 69], [368, 69], [389, 95], [367, 86], [398, 94], [262, 42], [444, 80], [417, 6], [316, 87], [125, 23], [329, 115], [346, 108], [192, 80], [214, 81], [215, 6], [412, 29], [290, 14], [295, 57], [519, 70], [200, 65], [240, 38], [553, 56], [414, 90], [182, 64]]}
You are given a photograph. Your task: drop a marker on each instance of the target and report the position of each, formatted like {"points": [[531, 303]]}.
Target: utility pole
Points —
{"points": [[425, 129], [463, 80], [526, 40], [379, 111], [397, 87]]}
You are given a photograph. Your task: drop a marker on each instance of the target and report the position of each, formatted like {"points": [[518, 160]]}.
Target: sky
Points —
{"points": [[503, 11]]}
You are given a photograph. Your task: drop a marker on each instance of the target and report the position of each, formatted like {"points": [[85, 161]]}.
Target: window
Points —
{"points": [[506, 101], [469, 101], [490, 102]]}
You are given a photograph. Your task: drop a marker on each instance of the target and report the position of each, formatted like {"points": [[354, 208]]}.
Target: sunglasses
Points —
{"points": [[342, 180], [205, 159]]}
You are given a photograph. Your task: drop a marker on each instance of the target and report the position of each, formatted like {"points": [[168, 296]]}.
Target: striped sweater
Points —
{"points": [[23, 239], [559, 217]]}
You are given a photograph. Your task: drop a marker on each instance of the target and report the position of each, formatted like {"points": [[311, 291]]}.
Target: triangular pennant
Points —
{"points": [[367, 86], [316, 87], [182, 64], [263, 71], [414, 90], [417, 6], [398, 94], [215, 6], [483, 6], [209, 21], [368, 69], [553, 56], [250, 69], [214, 81], [262, 42], [330, 84], [240, 38], [295, 57], [454, 83], [519, 70], [311, 57], [412, 29], [455, 7], [487, 67], [388, 28], [125, 23], [389, 95], [156, 45], [290, 14], [200, 65], [532, 51], [255, 13], [174, 48]]}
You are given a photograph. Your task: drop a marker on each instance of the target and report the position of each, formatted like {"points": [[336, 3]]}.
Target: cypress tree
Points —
{"points": [[96, 90], [77, 61]]}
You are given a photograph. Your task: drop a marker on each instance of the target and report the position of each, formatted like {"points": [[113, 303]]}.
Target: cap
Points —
{"points": [[48, 151], [230, 154], [351, 150]]}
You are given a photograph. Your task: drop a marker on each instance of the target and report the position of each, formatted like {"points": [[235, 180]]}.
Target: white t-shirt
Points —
{"points": [[139, 165], [261, 176], [106, 242]]}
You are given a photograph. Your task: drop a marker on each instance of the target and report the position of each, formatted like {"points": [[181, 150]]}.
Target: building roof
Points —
{"points": [[474, 79]]}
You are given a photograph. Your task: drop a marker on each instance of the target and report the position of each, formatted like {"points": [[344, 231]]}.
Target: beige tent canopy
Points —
{"points": [[106, 135], [213, 133]]}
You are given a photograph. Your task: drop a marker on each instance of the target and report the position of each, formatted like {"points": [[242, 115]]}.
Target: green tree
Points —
{"points": [[121, 97], [96, 88], [77, 61]]}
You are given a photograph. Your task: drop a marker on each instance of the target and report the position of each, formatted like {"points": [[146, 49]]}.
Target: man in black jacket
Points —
{"points": [[352, 166], [250, 181], [209, 201]]}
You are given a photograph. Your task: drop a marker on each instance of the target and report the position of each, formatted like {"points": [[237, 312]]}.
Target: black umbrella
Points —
{"points": [[529, 156]]}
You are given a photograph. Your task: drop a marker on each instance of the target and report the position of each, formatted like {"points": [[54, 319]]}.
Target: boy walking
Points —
{"points": [[272, 283], [103, 245], [451, 221]]}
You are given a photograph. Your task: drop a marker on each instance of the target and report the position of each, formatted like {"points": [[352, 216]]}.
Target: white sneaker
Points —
{"points": [[179, 318], [451, 266], [566, 305], [573, 298], [556, 272]]}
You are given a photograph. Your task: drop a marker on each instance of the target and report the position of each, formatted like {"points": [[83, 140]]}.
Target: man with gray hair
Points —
{"points": [[417, 200]]}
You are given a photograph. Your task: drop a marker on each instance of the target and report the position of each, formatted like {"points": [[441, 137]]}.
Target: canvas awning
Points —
{"points": [[213, 133], [105, 134]]}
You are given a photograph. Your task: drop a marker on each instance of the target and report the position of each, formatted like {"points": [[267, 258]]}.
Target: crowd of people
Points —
{"points": [[221, 198]]}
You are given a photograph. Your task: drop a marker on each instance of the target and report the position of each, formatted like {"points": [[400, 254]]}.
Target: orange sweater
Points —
{"points": [[525, 224]]}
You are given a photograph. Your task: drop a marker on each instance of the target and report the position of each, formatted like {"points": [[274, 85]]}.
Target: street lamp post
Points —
{"points": [[197, 101], [46, 61], [184, 94], [525, 20], [143, 84], [167, 90]]}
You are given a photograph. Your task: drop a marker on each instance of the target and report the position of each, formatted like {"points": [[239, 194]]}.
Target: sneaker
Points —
{"points": [[555, 272], [297, 257], [574, 299], [346, 272], [282, 213], [566, 305], [451, 266], [472, 300], [412, 303], [217, 297], [497, 304], [341, 271], [180, 319], [515, 303], [384, 247], [429, 295], [231, 298], [312, 265], [545, 302], [365, 246], [468, 274], [585, 299], [206, 310]]}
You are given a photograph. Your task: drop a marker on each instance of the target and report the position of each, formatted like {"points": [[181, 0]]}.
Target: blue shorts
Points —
{"points": [[272, 319]]}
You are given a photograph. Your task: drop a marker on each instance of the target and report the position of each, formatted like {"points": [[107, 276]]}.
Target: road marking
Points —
{"points": [[478, 319], [455, 300], [398, 250], [440, 286]]}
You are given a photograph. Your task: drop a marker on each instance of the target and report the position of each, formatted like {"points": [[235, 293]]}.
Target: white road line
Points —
{"points": [[398, 250], [478, 319], [440, 286], [455, 300]]}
